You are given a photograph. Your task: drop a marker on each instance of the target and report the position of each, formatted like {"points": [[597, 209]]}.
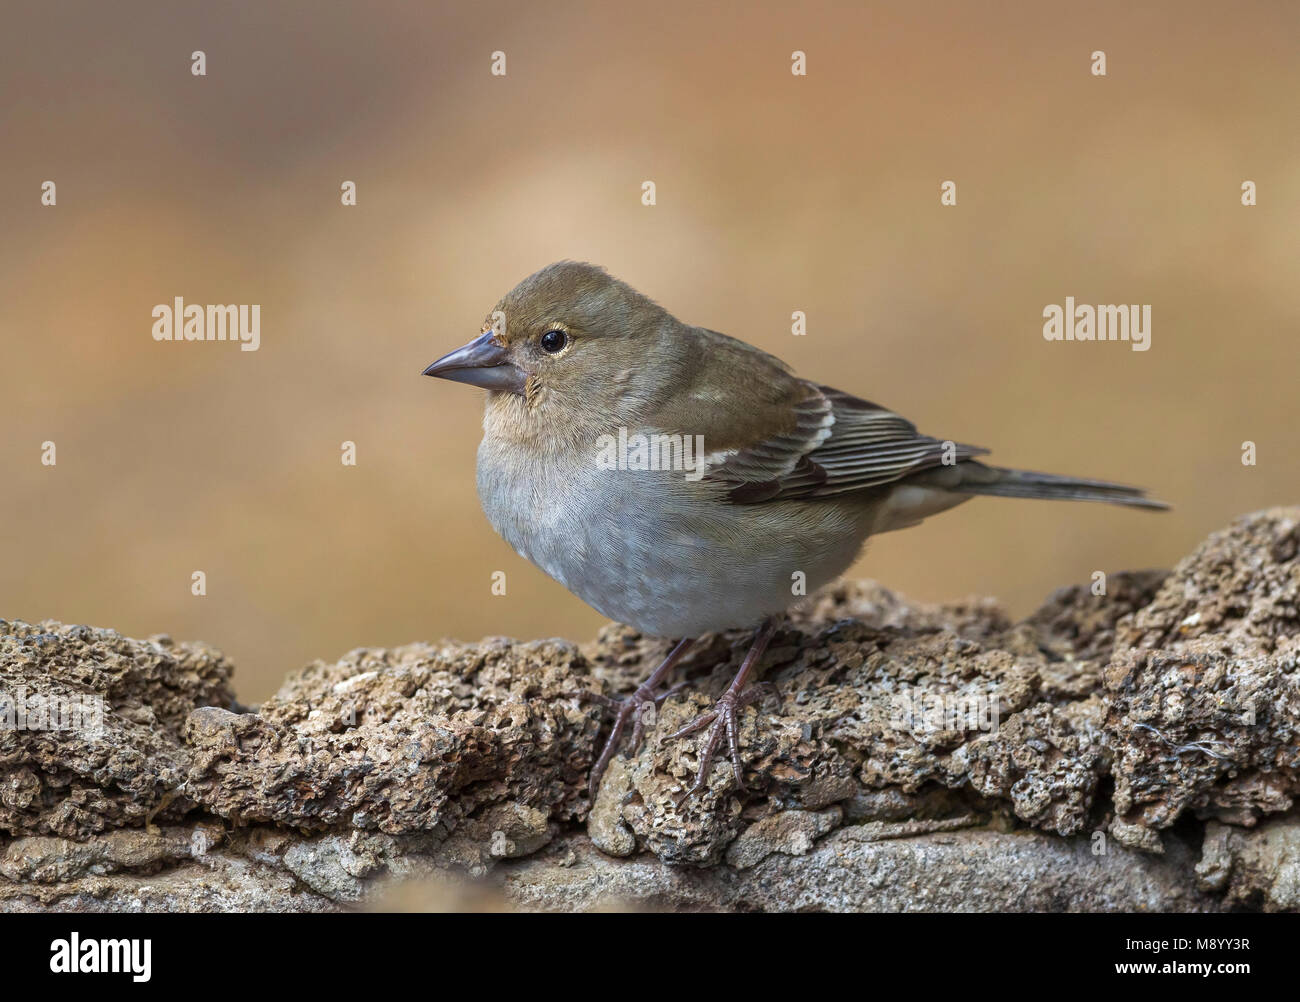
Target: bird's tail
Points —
{"points": [[980, 479]]}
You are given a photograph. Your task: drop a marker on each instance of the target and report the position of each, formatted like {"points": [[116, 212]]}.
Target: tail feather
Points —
{"points": [[980, 479]]}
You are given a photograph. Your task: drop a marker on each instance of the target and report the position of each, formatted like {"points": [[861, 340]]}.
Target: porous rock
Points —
{"points": [[909, 757], [1203, 689]]}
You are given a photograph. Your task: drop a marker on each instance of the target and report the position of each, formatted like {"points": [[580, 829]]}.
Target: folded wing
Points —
{"points": [[838, 444]]}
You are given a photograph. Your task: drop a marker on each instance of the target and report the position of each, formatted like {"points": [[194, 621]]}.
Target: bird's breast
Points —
{"points": [[653, 549]]}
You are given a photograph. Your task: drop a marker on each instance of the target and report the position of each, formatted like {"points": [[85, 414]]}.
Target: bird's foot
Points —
{"points": [[639, 707], [723, 717]]}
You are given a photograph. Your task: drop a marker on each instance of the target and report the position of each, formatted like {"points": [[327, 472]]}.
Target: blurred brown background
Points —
{"points": [[775, 194]]}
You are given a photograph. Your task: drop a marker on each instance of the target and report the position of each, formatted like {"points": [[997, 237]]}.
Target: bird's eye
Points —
{"points": [[554, 341]]}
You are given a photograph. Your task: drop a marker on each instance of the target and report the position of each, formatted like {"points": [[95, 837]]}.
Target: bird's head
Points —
{"points": [[568, 344]]}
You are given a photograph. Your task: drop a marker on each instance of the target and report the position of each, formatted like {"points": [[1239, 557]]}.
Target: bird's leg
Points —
{"points": [[723, 714], [633, 706]]}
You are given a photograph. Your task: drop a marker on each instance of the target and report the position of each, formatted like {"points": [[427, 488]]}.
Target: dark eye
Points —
{"points": [[554, 341]]}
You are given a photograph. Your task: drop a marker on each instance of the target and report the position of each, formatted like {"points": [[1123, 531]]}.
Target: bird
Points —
{"points": [[682, 481]]}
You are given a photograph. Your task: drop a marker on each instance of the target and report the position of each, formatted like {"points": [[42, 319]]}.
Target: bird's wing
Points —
{"points": [[837, 444], [758, 421]]}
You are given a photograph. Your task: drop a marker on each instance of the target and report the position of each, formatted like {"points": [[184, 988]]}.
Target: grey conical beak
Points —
{"points": [[482, 362]]}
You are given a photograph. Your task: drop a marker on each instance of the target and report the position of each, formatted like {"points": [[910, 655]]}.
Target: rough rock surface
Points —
{"points": [[402, 741], [1203, 689], [911, 757], [91, 726]]}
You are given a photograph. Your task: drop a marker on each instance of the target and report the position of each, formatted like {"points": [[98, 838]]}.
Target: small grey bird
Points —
{"points": [[683, 482]]}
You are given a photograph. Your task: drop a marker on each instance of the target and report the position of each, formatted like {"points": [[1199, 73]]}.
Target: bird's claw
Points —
{"points": [[724, 721], [629, 707]]}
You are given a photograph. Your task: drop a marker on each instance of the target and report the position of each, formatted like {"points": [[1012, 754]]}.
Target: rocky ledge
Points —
{"points": [[1134, 744]]}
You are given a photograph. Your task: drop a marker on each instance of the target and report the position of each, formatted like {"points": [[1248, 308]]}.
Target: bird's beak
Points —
{"points": [[482, 362]]}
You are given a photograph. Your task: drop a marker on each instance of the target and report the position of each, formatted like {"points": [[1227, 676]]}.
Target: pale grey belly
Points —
{"points": [[645, 550]]}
